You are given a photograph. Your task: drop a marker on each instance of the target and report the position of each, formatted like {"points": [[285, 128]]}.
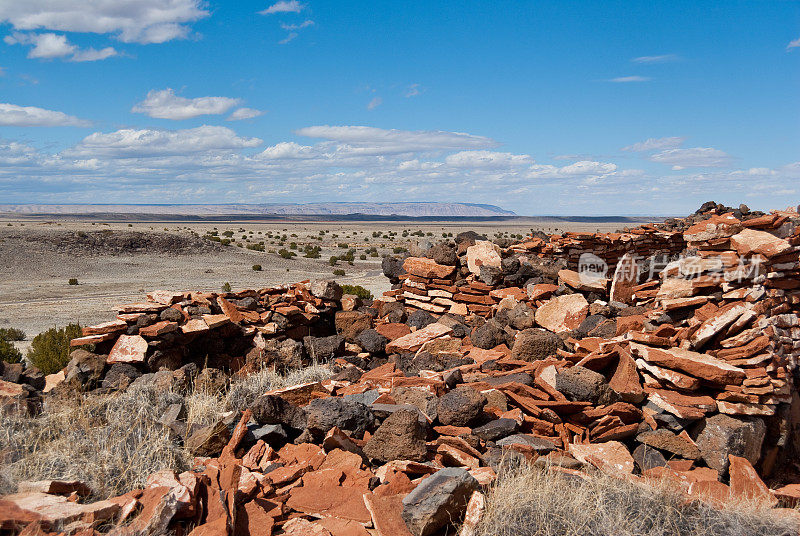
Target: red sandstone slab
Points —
{"points": [[428, 268], [112, 326], [413, 341], [128, 349]]}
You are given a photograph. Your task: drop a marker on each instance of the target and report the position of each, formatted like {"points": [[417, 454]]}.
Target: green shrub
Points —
{"points": [[399, 250], [343, 245], [333, 260], [12, 334], [9, 352], [72, 281], [357, 290], [286, 254], [49, 350], [256, 247], [256, 267], [338, 271], [362, 257], [226, 287], [313, 252]]}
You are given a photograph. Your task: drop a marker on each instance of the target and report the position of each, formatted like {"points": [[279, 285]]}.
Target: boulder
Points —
{"points": [[496, 429], [562, 313], [580, 383], [327, 289], [372, 341], [461, 406], [439, 500], [84, 370], [483, 253], [720, 436], [534, 344], [128, 349], [427, 268], [489, 335], [350, 323], [323, 349], [353, 417], [399, 437], [273, 409]]}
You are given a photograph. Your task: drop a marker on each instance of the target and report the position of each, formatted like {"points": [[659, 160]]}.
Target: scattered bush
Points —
{"points": [[362, 257], [343, 245], [12, 334], [286, 254], [226, 287], [256, 247], [333, 260], [399, 249], [256, 267], [357, 290], [338, 271], [49, 351], [72, 281], [9, 352], [313, 252]]}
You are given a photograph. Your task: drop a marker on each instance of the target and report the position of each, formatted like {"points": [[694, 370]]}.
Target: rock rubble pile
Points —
{"points": [[673, 356]]}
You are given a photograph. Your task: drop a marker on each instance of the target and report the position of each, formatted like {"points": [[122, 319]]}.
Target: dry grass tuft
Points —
{"points": [[528, 501], [114, 442]]}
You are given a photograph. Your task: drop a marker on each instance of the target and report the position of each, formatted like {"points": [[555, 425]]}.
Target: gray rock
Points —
{"points": [[392, 268], [422, 399], [419, 319], [367, 397], [461, 406], [489, 335], [580, 383], [721, 435], [496, 429], [522, 316], [399, 437], [323, 348], [171, 314], [272, 409], [648, 458], [444, 253], [534, 344], [84, 370], [439, 500], [208, 440], [272, 434], [327, 289], [120, 376], [372, 341], [349, 415], [517, 377]]}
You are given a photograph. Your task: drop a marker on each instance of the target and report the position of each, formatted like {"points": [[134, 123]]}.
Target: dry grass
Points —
{"points": [[114, 442], [529, 501]]}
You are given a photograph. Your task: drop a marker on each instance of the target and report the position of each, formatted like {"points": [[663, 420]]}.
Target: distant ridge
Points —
{"points": [[413, 210]]}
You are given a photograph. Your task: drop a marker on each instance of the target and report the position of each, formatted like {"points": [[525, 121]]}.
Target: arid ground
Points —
{"points": [[117, 262]]}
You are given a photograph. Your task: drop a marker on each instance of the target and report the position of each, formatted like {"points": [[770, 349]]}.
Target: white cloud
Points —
{"points": [[693, 157], [585, 169], [413, 90], [50, 45], [625, 79], [139, 21], [283, 6], [304, 24], [287, 150], [374, 103], [164, 104], [793, 44], [289, 38], [245, 113], [487, 159], [654, 144], [133, 143], [31, 116], [91, 54], [397, 141], [663, 58]]}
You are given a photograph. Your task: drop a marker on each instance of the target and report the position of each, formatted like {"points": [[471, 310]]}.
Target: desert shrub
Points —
{"points": [[49, 351], [8, 352], [343, 245], [286, 254], [313, 252], [357, 290], [227, 233], [362, 257], [72, 281], [333, 260], [528, 501], [226, 287], [399, 249], [256, 247], [256, 267], [12, 334], [338, 271]]}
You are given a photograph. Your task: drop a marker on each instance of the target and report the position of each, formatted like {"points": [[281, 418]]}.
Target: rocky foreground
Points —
{"points": [[679, 362]]}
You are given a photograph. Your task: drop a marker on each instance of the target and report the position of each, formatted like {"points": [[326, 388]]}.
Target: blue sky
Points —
{"points": [[539, 107]]}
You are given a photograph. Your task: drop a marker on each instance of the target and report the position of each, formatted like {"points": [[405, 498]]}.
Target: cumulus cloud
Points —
{"points": [[131, 21], [654, 144], [283, 6], [50, 45], [31, 116], [91, 54], [137, 143], [693, 157], [397, 141], [628, 79], [793, 44], [164, 104], [245, 113], [663, 58]]}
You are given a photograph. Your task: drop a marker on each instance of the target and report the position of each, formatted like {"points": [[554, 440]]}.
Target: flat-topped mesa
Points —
{"points": [[678, 366]]}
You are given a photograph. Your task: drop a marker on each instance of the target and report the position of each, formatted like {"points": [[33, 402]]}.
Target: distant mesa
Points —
{"points": [[412, 210]]}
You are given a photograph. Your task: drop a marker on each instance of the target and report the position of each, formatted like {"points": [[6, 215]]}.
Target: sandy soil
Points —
{"points": [[118, 262]]}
